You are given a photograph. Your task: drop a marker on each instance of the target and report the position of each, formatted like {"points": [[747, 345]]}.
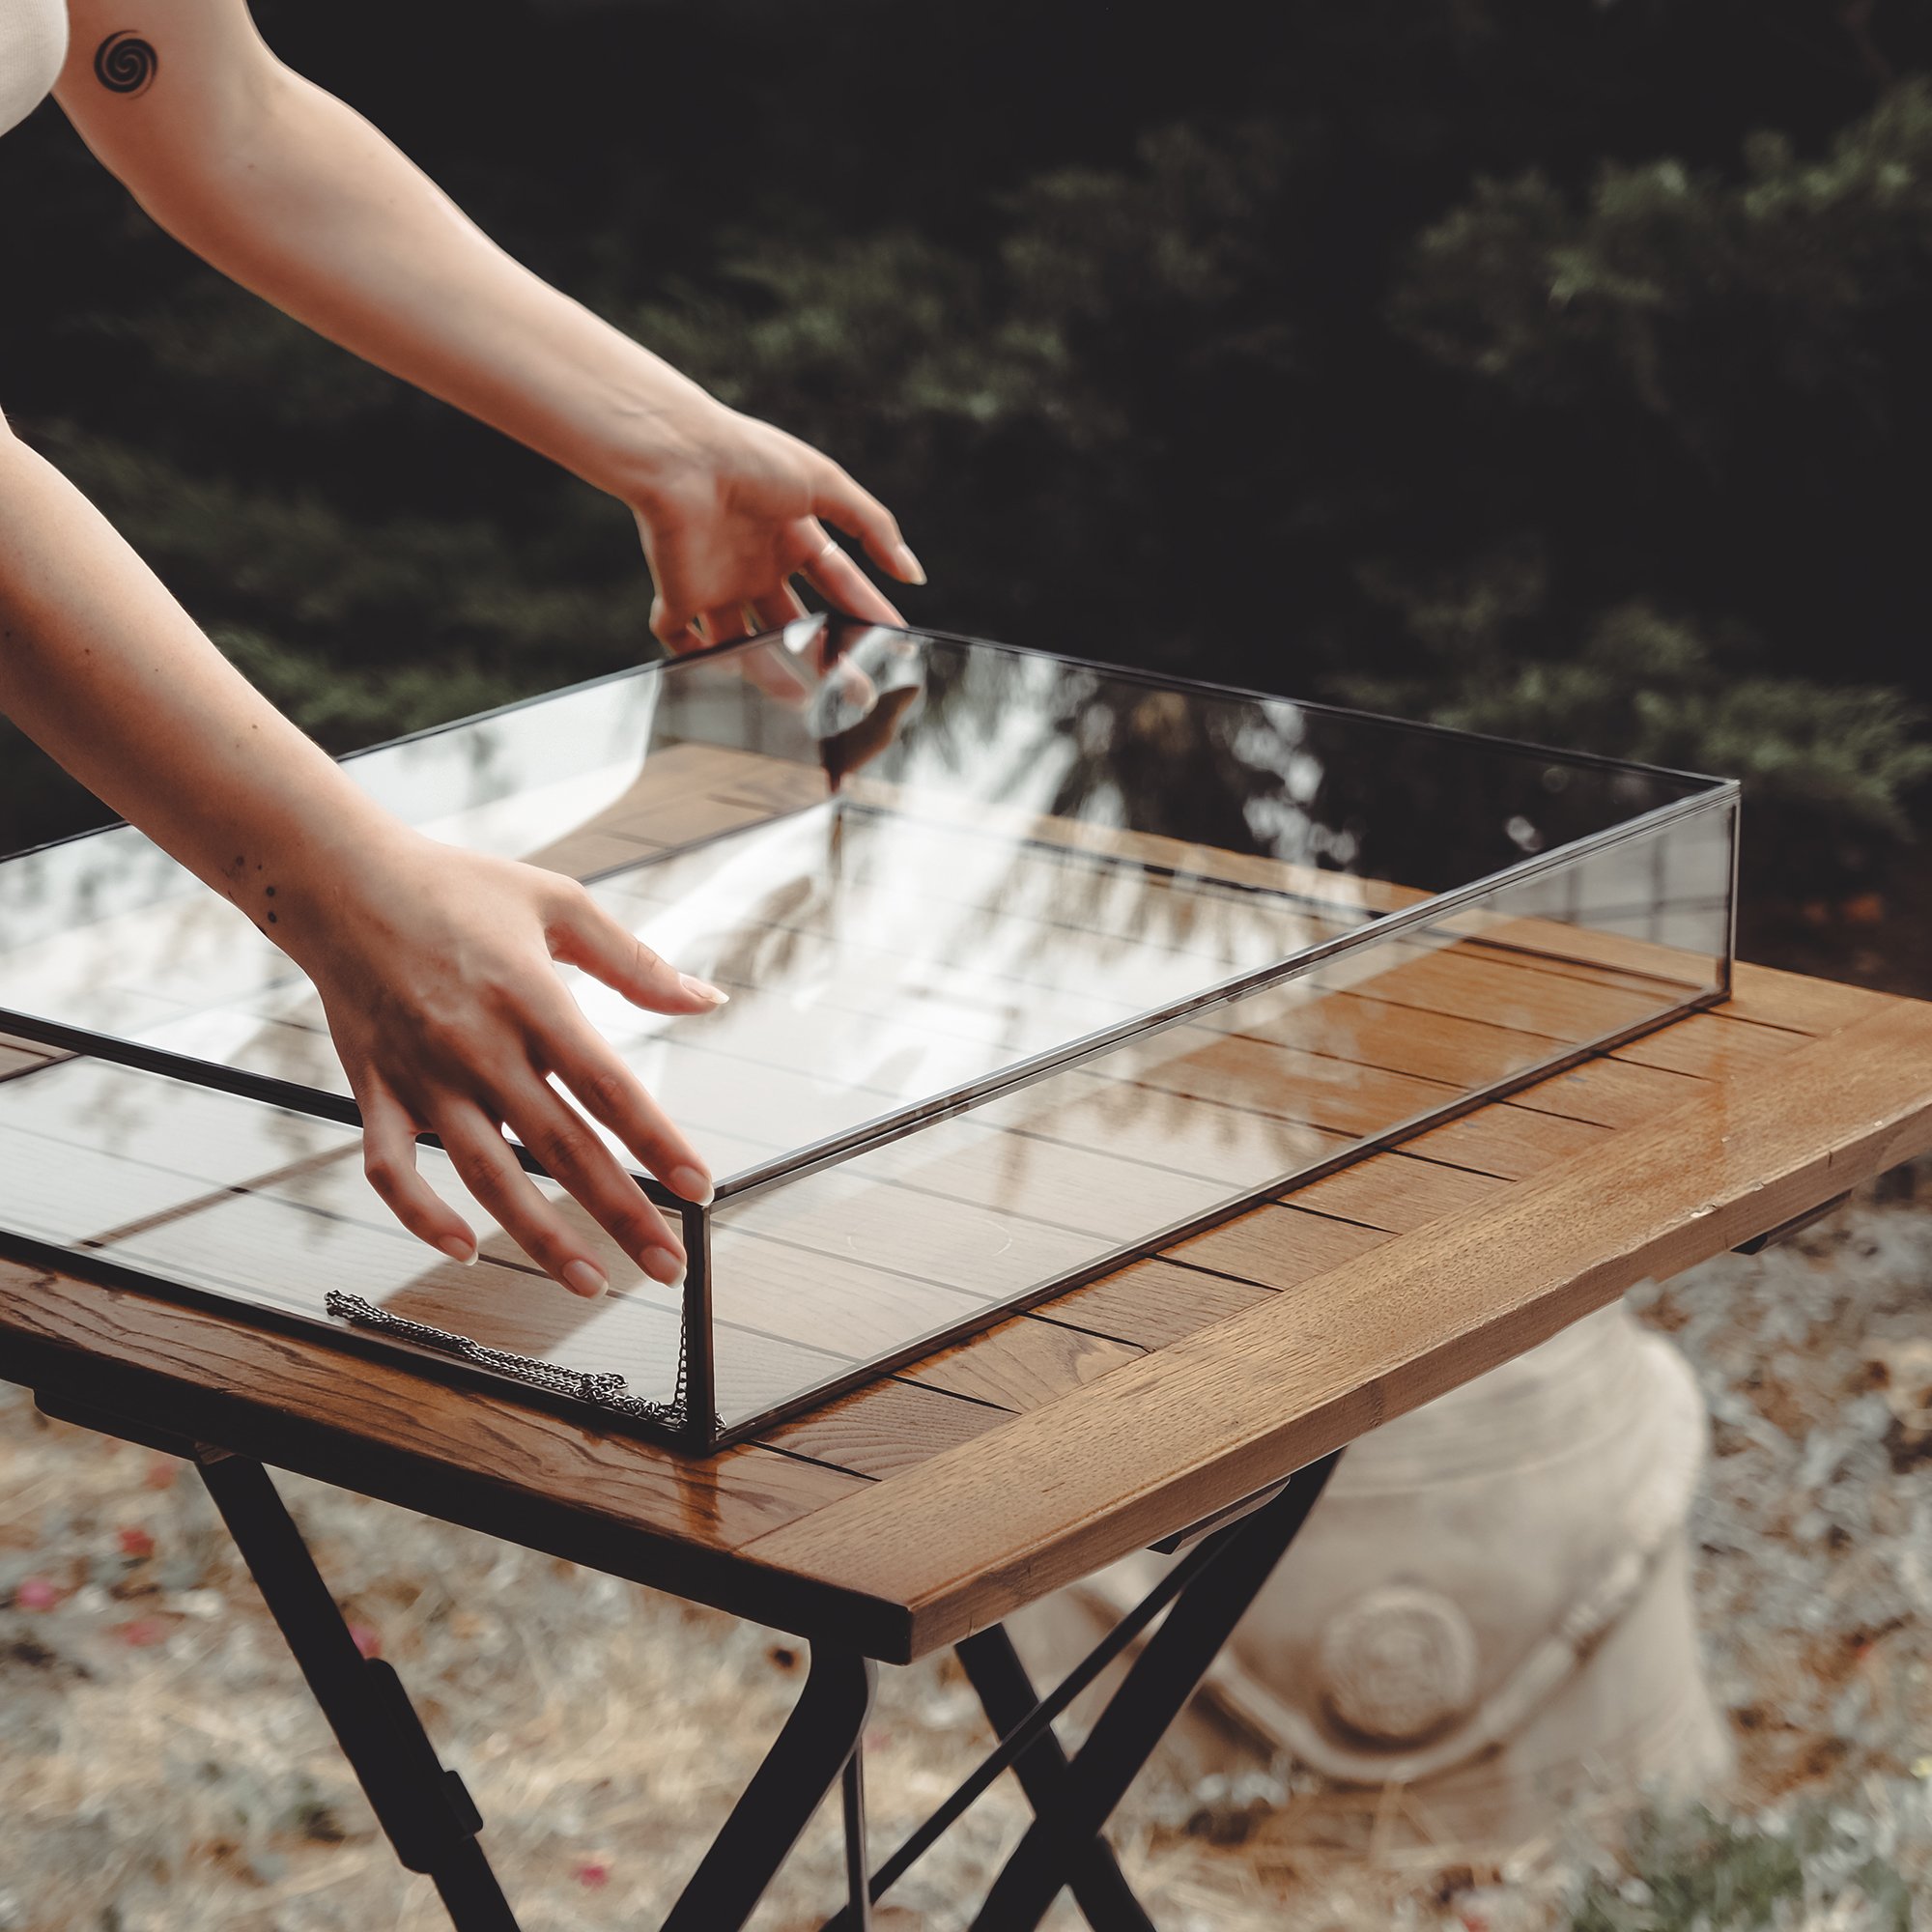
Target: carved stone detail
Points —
{"points": [[1398, 1663]]}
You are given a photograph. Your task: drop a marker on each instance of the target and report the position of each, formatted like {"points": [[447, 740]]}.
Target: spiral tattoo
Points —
{"points": [[124, 63]]}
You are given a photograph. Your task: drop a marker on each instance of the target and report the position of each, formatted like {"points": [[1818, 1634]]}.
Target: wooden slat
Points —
{"points": [[1176, 855], [1765, 996], [1608, 1092], [1584, 948], [1461, 982], [1022, 1363], [1278, 1247], [1397, 1192], [681, 793], [968, 1534], [1153, 1304], [963, 870], [1375, 1033], [1337, 1096], [1512, 1142], [890, 1426], [23, 1055], [1710, 1046], [1188, 1135]]}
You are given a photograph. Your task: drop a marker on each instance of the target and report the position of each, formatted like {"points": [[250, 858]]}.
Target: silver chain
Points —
{"points": [[607, 1390]]}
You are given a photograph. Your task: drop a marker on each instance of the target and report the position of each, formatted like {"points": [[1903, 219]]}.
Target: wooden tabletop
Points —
{"points": [[938, 1500]]}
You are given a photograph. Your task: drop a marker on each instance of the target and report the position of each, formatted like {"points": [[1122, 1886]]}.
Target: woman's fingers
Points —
{"points": [[574, 1155], [845, 585], [489, 1168], [776, 611], [390, 1161], [565, 1042], [582, 933], [675, 630], [860, 514], [769, 667], [725, 625], [610, 1093]]}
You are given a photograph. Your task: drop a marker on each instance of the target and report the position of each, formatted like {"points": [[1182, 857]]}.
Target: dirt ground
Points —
{"points": [[161, 1768]]}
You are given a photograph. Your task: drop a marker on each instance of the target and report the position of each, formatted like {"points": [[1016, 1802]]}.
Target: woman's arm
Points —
{"points": [[295, 196], [434, 966]]}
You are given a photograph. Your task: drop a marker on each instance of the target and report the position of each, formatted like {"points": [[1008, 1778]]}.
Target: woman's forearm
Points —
{"points": [[435, 967], [108, 674], [295, 196]]}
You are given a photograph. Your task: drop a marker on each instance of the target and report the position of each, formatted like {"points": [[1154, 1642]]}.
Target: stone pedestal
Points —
{"points": [[1489, 1607]]}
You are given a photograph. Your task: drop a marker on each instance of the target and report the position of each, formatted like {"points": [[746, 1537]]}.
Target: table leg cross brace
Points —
{"points": [[1205, 1595]]}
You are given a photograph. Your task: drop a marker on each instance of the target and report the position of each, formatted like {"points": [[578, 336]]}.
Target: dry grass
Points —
{"points": [[161, 1768]]}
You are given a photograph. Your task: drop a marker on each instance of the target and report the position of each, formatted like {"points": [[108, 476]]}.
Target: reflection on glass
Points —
{"points": [[1032, 963]]}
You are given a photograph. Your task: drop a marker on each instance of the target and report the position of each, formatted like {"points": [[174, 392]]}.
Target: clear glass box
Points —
{"points": [[1035, 966]]}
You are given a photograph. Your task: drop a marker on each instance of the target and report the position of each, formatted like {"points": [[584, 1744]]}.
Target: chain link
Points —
{"points": [[607, 1390]]}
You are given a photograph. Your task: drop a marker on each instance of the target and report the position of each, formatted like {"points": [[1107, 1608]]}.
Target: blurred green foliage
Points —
{"points": [[1558, 370], [1694, 1871]]}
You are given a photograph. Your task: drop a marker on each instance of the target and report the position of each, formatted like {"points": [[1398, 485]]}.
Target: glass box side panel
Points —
{"points": [[267, 1209], [899, 1247]]}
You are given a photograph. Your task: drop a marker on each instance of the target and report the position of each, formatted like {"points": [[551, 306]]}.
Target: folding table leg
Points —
{"points": [[810, 1757], [1007, 1695], [430, 1818], [1163, 1677], [858, 1867]]}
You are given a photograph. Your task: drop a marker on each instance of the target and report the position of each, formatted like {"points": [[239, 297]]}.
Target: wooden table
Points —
{"points": [[928, 1505]]}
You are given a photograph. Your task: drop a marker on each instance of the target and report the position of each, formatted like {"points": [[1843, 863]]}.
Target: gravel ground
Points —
{"points": [[162, 1769]]}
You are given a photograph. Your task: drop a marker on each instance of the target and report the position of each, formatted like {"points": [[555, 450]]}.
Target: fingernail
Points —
{"points": [[692, 1185], [581, 1278], [459, 1250], [910, 567], [702, 989], [661, 1264]]}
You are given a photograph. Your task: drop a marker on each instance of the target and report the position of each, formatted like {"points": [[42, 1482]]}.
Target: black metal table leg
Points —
{"points": [[1006, 1693], [1164, 1676], [430, 1818], [808, 1758], [857, 1868]]}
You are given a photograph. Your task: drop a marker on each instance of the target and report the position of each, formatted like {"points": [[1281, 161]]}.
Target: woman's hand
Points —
{"points": [[732, 510], [437, 974]]}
